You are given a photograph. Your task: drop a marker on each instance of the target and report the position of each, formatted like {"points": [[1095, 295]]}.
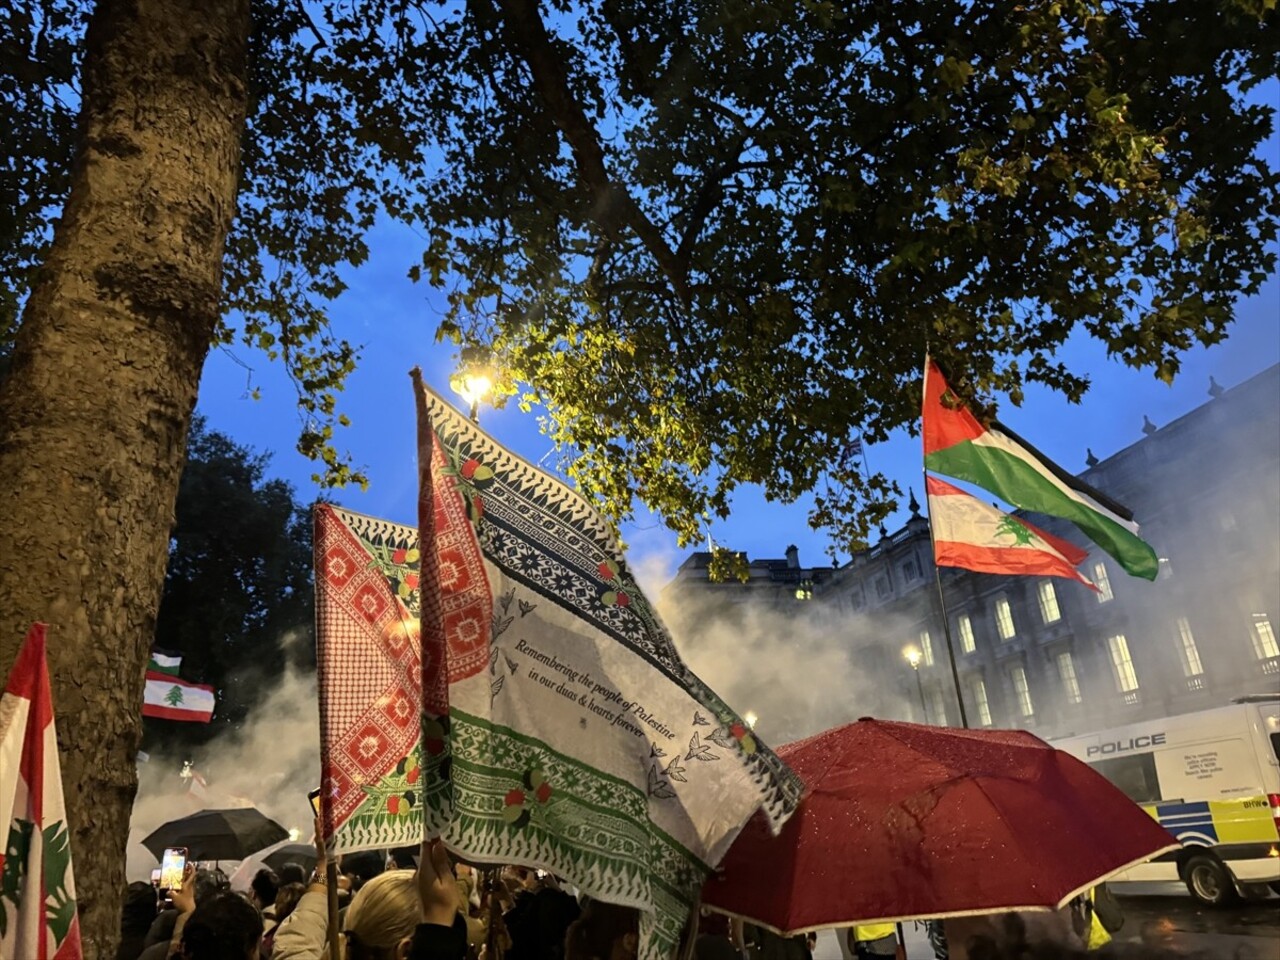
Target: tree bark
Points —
{"points": [[94, 413]]}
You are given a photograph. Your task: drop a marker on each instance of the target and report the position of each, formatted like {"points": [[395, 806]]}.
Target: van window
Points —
{"points": [[1275, 744], [1135, 776]]}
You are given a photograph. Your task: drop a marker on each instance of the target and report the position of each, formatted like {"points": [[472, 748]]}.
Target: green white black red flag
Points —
{"points": [[991, 456]]}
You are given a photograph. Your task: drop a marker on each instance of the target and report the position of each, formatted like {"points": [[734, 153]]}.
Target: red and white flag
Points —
{"points": [[974, 535], [171, 698], [37, 888]]}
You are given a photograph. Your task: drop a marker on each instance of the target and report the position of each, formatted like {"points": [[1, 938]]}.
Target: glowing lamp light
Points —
{"points": [[294, 834], [473, 381], [750, 718], [913, 657], [472, 387]]}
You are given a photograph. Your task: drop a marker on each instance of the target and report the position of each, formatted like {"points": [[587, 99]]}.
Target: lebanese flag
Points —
{"points": [[996, 459], [38, 893], [171, 698], [976, 536]]}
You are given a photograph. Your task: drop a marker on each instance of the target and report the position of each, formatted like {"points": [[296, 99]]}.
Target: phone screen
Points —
{"points": [[314, 797], [172, 866]]}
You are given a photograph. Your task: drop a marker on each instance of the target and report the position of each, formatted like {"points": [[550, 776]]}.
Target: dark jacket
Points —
{"points": [[537, 923], [434, 941]]}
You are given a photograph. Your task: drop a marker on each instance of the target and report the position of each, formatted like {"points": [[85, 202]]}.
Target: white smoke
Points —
{"points": [[270, 763]]}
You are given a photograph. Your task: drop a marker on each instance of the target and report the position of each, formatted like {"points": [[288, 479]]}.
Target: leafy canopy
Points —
{"points": [[711, 239]]}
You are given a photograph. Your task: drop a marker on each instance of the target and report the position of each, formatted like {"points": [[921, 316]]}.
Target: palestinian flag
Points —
{"points": [[171, 698], [37, 887], [976, 536], [996, 459], [162, 662]]}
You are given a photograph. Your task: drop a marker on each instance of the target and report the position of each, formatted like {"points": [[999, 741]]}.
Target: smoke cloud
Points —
{"points": [[270, 763], [798, 670]]}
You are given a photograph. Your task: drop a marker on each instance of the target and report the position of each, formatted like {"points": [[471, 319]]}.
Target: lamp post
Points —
{"points": [[913, 656]]}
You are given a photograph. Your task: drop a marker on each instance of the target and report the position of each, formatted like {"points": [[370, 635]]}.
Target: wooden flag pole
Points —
{"points": [[331, 881]]}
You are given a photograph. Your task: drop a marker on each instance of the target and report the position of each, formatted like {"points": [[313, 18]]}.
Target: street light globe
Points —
{"points": [[913, 657], [472, 387]]}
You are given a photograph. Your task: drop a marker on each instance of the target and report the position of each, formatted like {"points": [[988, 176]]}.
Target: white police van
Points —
{"points": [[1212, 779]]}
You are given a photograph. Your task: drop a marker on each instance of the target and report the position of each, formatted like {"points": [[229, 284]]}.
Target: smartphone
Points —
{"points": [[314, 798], [172, 866], [155, 878]]}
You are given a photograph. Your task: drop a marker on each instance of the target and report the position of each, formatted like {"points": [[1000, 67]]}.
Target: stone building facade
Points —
{"points": [[1049, 654]]}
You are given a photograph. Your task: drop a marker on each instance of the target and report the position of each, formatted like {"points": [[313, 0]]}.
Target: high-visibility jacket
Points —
{"points": [[1098, 936], [874, 931]]}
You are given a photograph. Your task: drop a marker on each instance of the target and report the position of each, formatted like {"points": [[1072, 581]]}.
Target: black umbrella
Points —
{"points": [[217, 834]]}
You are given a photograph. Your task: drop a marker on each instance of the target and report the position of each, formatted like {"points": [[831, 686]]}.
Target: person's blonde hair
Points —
{"points": [[384, 912]]}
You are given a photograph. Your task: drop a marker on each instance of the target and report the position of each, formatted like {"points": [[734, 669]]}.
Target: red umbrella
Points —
{"points": [[904, 821]]}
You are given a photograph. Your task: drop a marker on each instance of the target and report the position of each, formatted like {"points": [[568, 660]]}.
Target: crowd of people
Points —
{"points": [[416, 904]]}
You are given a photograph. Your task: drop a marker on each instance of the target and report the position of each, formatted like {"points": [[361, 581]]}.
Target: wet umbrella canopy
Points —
{"points": [[217, 834], [904, 821]]}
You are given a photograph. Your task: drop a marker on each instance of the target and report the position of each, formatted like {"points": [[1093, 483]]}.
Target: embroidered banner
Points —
{"points": [[561, 728], [369, 676]]}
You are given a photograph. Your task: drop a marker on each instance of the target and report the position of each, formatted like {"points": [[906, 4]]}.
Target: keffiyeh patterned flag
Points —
{"points": [[37, 886], [561, 729], [369, 676]]}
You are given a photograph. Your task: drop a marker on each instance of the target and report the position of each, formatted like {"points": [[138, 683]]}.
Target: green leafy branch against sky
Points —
{"points": [[776, 207], [712, 238]]}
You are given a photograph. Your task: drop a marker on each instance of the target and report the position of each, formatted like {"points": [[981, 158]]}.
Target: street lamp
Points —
{"points": [[750, 718], [472, 382], [913, 657]]}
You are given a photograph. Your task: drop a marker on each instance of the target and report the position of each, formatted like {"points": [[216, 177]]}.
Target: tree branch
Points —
{"points": [[614, 208]]}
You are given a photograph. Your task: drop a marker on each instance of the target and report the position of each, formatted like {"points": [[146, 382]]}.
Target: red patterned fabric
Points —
{"points": [[369, 666]]}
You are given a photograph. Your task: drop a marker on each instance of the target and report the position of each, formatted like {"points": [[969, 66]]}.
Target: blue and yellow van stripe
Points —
{"points": [[1211, 822]]}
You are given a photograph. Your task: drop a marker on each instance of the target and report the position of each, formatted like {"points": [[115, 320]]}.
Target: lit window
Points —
{"points": [[1102, 582], [1049, 611], [980, 699], [1191, 666], [1122, 664], [1067, 673], [1022, 692], [1004, 619], [926, 648], [937, 711], [1264, 638], [964, 626]]}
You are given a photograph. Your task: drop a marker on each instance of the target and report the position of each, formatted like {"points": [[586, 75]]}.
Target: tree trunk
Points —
{"points": [[94, 413]]}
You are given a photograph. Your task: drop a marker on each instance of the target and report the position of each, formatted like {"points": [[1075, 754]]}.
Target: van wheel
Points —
{"points": [[1208, 880]]}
